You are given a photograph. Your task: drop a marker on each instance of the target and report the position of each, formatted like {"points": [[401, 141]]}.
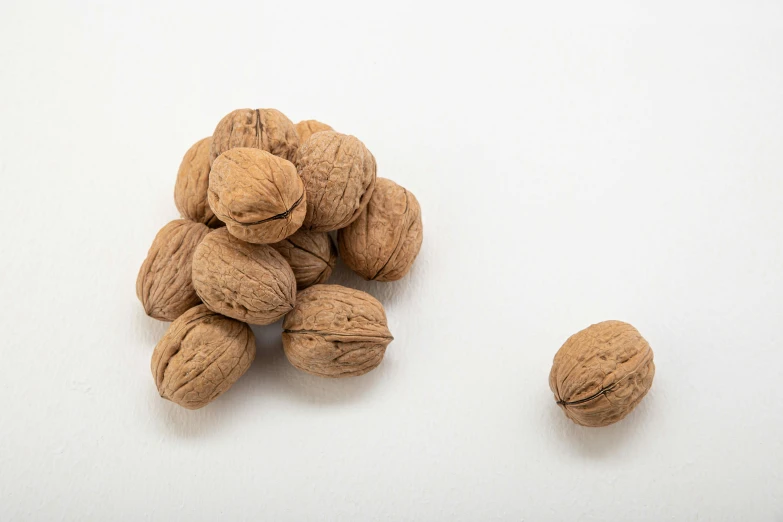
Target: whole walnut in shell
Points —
{"points": [[601, 373], [307, 128], [259, 197], [163, 285], [335, 331], [200, 356], [339, 176], [311, 255], [252, 283], [384, 241], [265, 129], [190, 190]]}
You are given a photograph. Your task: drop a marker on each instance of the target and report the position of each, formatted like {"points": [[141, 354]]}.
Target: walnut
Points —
{"points": [[200, 356], [312, 256], [307, 128], [339, 176], [163, 285], [252, 283], [259, 196], [335, 331], [601, 373], [384, 241], [190, 191], [265, 129]]}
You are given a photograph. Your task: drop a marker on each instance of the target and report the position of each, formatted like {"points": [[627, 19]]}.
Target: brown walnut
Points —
{"points": [[335, 331], [312, 256], [200, 356], [307, 128], [265, 129], [339, 176], [601, 373], [384, 241], [259, 197], [190, 190], [164, 285], [251, 283]]}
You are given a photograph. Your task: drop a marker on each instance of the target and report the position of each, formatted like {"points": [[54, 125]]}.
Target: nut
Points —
{"points": [[163, 285], [252, 283], [384, 241], [259, 196], [307, 128], [190, 191], [200, 356], [339, 176], [335, 331], [312, 256], [265, 129], [601, 373]]}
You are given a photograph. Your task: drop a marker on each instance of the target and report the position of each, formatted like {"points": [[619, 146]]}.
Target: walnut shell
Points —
{"points": [[200, 356], [339, 176], [335, 331], [252, 283], [190, 190], [265, 129], [260, 197], [384, 241], [163, 285], [307, 128], [312, 256], [601, 373]]}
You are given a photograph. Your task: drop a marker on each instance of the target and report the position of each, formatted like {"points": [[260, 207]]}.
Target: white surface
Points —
{"points": [[575, 162]]}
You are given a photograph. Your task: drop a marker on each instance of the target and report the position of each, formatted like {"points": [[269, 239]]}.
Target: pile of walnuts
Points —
{"points": [[258, 200]]}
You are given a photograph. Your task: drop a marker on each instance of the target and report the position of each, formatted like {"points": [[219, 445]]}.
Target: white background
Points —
{"points": [[575, 162]]}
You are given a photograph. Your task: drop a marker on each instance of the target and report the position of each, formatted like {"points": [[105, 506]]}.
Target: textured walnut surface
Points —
{"points": [[200, 356], [190, 190], [259, 196], [252, 283], [339, 176], [385, 239], [601, 373], [164, 284], [307, 128], [335, 331], [311, 255], [265, 129]]}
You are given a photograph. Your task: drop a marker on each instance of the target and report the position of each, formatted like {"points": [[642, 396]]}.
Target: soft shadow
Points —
{"points": [[146, 330], [598, 443]]}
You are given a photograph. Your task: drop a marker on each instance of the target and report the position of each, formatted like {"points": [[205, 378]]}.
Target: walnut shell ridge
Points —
{"points": [[334, 331], [190, 190], [259, 197], [311, 255], [601, 373], [265, 129], [339, 176], [383, 242], [200, 356], [164, 284], [251, 283], [307, 128]]}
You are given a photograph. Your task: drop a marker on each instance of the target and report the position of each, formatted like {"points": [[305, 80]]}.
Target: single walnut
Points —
{"points": [[265, 129], [312, 256], [259, 196], [335, 331], [384, 241], [339, 176], [163, 285], [190, 191], [601, 373], [252, 283], [307, 128], [200, 356]]}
